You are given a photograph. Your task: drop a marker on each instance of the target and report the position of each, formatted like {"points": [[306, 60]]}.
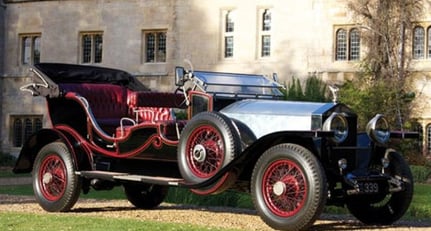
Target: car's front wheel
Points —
{"points": [[55, 184], [288, 187], [145, 196], [385, 209]]}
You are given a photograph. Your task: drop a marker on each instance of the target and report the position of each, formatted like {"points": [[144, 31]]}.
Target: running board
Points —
{"points": [[113, 176]]}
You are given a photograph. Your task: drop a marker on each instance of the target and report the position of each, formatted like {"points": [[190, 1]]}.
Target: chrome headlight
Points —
{"points": [[378, 129], [337, 123]]}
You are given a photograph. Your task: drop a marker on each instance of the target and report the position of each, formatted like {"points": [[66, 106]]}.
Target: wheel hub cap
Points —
{"points": [[199, 153], [47, 178], [279, 188]]}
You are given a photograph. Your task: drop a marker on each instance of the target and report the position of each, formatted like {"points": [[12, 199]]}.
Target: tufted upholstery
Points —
{"points": [[154, 106], [152, 114]]}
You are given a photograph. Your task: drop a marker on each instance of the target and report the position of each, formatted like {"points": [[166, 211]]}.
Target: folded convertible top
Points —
{"points": [[73, 73]]}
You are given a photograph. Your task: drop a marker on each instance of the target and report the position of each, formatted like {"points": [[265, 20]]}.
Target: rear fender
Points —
{"points": [[32, 146]]}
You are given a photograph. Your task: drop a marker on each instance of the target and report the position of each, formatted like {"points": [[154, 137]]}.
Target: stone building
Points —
{"points": [[148, 38]]}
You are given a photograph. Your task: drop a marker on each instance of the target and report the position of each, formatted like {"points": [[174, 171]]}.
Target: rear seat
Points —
{"points": [[110, 103]]}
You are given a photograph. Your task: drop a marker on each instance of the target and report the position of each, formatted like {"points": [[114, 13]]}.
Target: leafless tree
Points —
{"points": [[386, 29]]}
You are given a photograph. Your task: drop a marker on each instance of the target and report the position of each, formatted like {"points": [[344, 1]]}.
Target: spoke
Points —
{"points": [[293, 196], [209, 138], [53, 170]]}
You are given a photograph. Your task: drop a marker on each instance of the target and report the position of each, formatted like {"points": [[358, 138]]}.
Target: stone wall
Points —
{"points": [[302, 40], [301, 37], [2, 34], [2, 57]]}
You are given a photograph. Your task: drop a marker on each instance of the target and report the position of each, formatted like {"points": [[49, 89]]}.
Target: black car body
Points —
{"points": [[216, 132]]}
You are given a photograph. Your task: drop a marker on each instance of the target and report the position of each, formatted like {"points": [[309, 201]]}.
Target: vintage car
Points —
{"points": [[216, 132]]}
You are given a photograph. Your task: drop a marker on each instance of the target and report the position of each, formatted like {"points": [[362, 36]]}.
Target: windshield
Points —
{"points": [[229, 84]]}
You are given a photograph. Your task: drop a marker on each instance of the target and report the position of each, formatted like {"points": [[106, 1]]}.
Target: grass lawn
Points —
{"points": [[421, 204], [24, 221]]}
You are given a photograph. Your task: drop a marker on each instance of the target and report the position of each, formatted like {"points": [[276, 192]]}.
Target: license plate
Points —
{"points": [[368, 187]]}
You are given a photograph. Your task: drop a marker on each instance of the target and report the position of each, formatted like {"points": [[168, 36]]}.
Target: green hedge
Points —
{"points": [[420, 173]]}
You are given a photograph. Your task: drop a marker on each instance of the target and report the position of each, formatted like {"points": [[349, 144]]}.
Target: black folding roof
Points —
{"points": [[74, 73]]}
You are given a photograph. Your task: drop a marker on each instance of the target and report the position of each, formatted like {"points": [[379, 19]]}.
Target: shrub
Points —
{"points": [[420, 173], [227, 199], [315, 90]]}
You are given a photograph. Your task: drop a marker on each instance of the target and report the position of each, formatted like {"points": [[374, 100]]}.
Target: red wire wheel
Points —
{"points": [[288, 187], [284, 188], [56, 186], [52, 177], [205, 151], [207, 144]]}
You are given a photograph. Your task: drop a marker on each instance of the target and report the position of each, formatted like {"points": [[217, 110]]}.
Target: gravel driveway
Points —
{"points": [[218, 217], [215, 217]]}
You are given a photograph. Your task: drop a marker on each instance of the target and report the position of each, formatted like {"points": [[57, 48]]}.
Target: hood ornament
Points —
{"points": [[334, 90]]}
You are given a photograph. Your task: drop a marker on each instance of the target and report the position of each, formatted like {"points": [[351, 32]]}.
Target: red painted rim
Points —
{"points": [[52, 177], [211, 140], [284, 188]]}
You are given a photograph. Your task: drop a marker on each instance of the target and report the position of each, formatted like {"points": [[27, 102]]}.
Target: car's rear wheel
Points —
{"points": [[207, 144], [288, 187], [55, 184], [145, 196], [381, 209]]}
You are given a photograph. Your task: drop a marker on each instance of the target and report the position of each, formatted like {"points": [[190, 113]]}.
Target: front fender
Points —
{"points": [[248, 158], [32, 146], [246, 135]]}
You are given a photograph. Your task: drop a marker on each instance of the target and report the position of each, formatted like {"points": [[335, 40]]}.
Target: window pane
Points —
{"points": [[266, 20], [429, 42], [161, 47], [98, 48], [23, 127], [26, 50], [229, 22], [151, 46], [17, 130], [37, 125], [418, 43], [36, 50], [86, 48], [28, 128], [341, 45], [266, 45], [155, 46], [354, 44], [228, 46]]}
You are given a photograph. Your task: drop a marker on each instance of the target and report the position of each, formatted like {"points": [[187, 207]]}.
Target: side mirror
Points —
{"points": [[179, 76]]}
